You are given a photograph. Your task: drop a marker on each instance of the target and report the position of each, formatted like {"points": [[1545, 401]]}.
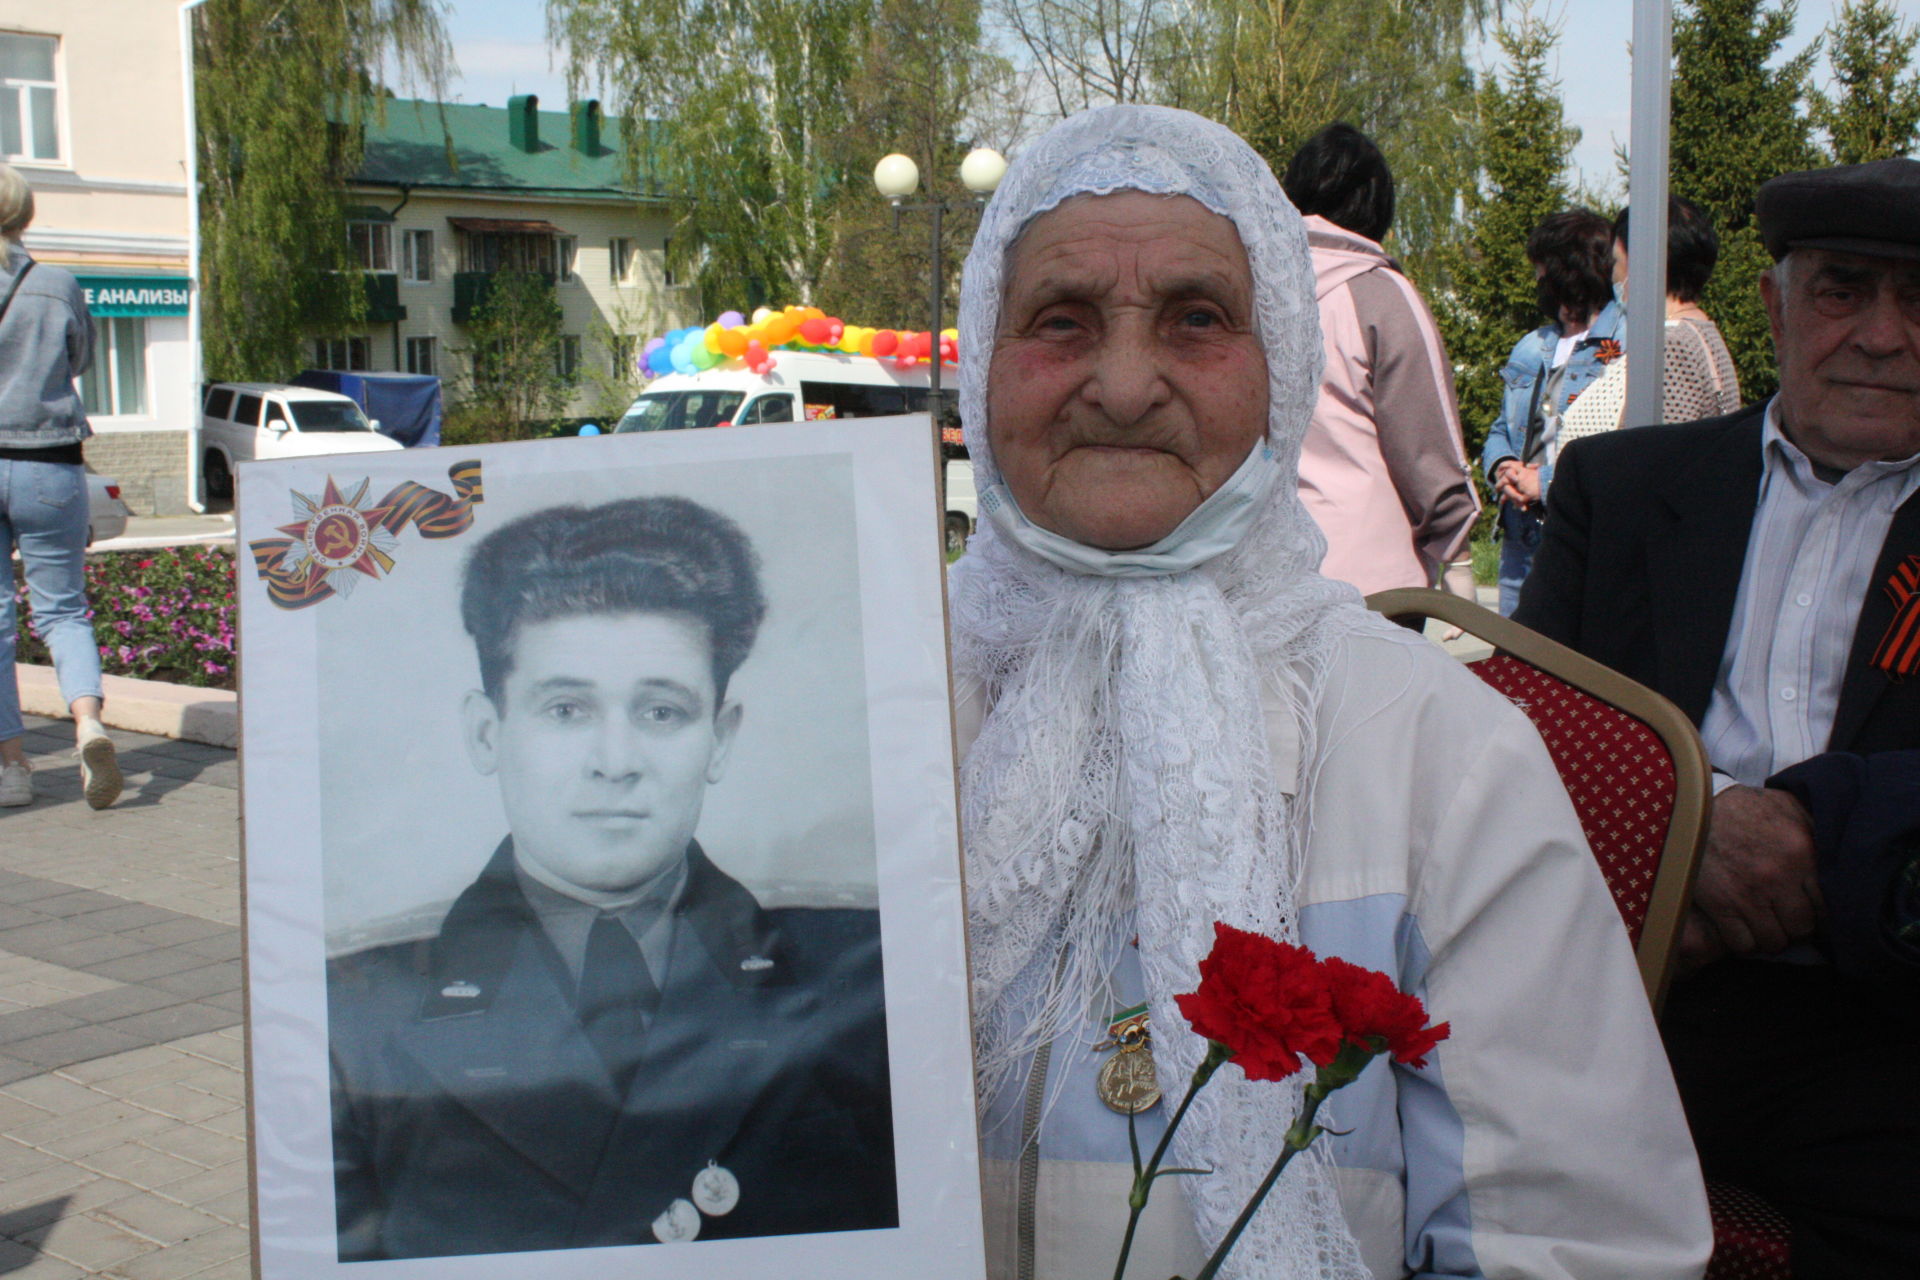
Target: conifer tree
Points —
{"points": [[1872, 109], [1525, 148], [280, 87], [1736, 123]]}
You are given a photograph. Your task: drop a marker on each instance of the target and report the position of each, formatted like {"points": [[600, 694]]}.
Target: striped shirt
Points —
{"points": [[1810, 558]]}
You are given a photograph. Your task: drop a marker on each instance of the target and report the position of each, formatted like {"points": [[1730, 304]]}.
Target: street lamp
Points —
{"points": [[897, 177]]}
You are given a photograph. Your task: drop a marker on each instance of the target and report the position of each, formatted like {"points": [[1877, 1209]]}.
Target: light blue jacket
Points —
{"points": [[1526, 370], [46, 341]]}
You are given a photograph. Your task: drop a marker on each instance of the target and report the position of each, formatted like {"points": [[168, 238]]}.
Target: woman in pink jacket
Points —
{"points": [[1383, 471]]}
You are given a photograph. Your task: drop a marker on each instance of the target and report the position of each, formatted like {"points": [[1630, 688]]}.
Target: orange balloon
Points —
{"points": [[732, 342]]}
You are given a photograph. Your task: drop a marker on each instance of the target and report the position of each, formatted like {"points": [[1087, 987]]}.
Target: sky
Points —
{"points": [[501, 48]]}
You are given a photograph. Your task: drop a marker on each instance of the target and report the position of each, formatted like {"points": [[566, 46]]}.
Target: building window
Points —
{"points": [[29, 98], [620, 253], [620, 348], [666, 262], [567, 355], [348, 355], [371, 244], [116, 382], [564, 249], [423, 355], [506, 251], [416, 256]]}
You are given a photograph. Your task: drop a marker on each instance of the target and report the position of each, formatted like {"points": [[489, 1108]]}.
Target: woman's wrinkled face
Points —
{"points": [[1127, 383]]}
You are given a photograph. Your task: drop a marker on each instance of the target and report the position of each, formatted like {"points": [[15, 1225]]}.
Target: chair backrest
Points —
{"points": [[1630, 760]]}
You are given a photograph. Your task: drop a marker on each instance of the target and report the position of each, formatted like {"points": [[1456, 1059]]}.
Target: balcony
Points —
{"points": [[471, 288], [383, 297]]}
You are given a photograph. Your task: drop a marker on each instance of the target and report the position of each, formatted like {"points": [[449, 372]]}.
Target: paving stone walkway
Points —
{"points": [[122, 1085]]}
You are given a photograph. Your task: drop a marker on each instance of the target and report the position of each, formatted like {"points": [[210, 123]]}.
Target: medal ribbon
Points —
{"points": [[1899, 651], [434, 514]]}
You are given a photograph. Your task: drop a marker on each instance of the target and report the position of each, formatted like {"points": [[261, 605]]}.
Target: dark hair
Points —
{"points": [[1575, 247], [638, 555], [1339, 174], [1692, 247]]}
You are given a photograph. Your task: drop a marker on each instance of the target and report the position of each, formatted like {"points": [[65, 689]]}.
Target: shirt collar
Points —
{"points": [[1778, 454]]}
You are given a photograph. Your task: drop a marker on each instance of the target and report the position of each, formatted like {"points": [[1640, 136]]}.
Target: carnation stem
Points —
{"points": [[1299, 1138], [1143, 1178]]}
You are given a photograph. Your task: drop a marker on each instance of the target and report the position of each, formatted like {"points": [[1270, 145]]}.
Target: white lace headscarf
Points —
{"points": [[1122, 782]]}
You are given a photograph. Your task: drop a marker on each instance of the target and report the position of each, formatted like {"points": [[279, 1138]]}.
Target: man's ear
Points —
{"points": [[481, 722], [726, 725]]}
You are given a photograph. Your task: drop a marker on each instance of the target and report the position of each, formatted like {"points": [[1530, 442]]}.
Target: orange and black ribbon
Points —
{"points": [[1899, 651], [434, 514]]}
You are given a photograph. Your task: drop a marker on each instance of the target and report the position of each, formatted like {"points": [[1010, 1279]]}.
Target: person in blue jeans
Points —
{"points": [[1572, 257], [46, 341]]}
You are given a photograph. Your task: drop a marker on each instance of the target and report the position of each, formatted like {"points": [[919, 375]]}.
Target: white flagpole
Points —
{"points": [[1647, 195]]}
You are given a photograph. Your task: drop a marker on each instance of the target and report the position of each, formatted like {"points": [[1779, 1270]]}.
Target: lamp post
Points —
{"points": [[897, 177]]}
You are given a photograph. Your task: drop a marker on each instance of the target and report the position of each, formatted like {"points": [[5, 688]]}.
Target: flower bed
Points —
{"points": [[158, 615]]}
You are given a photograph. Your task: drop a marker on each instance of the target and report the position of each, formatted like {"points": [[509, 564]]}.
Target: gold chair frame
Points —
{"points": [[1693, 787]]}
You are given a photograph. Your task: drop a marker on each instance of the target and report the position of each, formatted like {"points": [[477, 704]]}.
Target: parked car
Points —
{"points": [[247, 421], [106, 513], [807, 385]]}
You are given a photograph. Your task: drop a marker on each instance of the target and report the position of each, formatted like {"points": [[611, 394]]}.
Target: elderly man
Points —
{"points": [[1759, 569], [609, 1041]]}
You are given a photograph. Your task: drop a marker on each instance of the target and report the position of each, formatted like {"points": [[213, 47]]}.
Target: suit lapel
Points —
{"points": [[1864, 684], [497, 1030], [1696, 552]]}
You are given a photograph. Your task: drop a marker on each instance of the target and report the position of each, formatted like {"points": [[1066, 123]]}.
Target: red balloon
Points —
{"points": [[815, 331], [756, 352], [886, 342]]}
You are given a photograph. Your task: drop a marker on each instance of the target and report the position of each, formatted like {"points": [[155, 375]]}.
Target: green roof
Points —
{"points": [[408, 147]]}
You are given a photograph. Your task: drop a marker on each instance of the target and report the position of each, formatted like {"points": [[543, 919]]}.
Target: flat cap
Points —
{"points": [[1851, 208]]}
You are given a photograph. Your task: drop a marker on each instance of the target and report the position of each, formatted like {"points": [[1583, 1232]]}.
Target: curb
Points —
{"points": [[211, 716]]}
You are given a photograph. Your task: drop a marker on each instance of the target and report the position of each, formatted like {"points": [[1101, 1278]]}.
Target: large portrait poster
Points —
{"points": [[602, 874]]}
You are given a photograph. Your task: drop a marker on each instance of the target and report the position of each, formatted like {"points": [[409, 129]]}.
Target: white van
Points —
{"points": [[245, 421], [804, 385]]}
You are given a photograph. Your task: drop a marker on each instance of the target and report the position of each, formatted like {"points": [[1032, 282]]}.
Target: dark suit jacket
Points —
{"points": [[472, 1115], [1639, 567]]}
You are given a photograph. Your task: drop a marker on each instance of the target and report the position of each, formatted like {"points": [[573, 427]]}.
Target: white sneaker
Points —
{"points": [[99, 765], [16, 786]]}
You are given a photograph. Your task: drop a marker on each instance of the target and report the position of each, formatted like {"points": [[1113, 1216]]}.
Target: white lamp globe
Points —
{"points": [[982, 170], [896, 176]]}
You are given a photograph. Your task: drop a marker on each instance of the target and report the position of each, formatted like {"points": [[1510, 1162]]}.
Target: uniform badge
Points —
{"points": [[1127, 1082], [716, 1190], [680, 1223]]}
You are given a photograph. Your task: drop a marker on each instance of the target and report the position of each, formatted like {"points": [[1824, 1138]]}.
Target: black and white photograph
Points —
{"points": [[602, 873]]}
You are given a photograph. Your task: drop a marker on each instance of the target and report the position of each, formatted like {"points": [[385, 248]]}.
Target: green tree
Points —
{"points": [[1525, 148], [1872, 111], [269, 76], [514, 387], [740, 108], [1736, 123]]}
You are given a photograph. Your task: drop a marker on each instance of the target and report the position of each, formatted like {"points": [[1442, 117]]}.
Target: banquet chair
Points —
{"points": [[1639, 780]]}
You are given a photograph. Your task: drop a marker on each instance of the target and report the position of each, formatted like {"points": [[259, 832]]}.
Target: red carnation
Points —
{"points": [[1377, 1016], [1265, 1001]]}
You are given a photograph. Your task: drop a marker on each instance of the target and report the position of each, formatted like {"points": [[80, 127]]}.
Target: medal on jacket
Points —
{"points": [[681, 1222], [1127, 1082]]}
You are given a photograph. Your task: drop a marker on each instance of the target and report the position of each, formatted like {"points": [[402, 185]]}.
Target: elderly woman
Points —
{"points": [[1169, 719], [46, 341]]}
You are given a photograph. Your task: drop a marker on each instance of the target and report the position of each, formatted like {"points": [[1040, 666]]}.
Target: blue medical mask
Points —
{"points": [[1213, 527]]}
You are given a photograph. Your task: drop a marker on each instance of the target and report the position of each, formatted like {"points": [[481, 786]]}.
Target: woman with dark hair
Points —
{"points": [[1697, 377], [1572, 257], [1383, 470]]}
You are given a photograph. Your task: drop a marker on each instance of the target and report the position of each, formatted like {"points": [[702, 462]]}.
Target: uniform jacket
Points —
{"points": [[472, 1115], [46, 341], [1383, 470], [1525, 374]]}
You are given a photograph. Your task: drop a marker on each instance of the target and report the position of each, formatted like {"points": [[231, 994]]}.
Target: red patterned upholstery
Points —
{"points": [[1751, 1241], [1617, 771]]}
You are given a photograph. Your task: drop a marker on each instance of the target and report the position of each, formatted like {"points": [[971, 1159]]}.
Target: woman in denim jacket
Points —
{"points": [[46, 341], [1572, 257]]}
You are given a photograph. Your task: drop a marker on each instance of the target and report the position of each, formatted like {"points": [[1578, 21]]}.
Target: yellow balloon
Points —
{"points": [[712, 338]]}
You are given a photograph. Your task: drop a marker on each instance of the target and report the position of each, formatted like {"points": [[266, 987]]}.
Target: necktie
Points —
{"points": [[616, 998]]}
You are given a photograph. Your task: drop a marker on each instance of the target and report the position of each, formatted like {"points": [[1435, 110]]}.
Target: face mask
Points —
{"points": [[1213, 527]]}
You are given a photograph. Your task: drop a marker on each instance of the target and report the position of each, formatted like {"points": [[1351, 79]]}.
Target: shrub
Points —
{"points": [[166, 614]]}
